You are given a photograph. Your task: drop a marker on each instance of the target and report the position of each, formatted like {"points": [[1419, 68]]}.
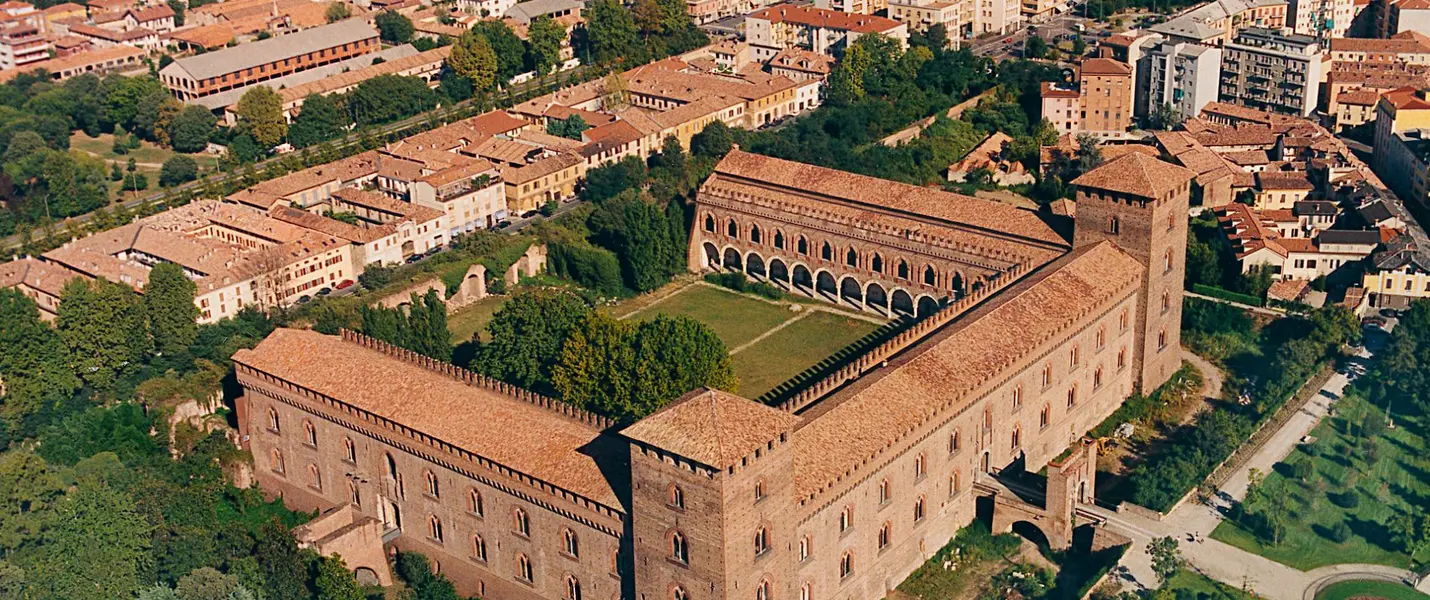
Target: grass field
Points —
{"points": [[1387, 476], [1368, 590], [1201, 586], [808, 336], [473, 319], [149, 157]]}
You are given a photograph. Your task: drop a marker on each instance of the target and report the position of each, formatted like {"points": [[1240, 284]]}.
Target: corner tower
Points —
{"points": [[1141, 204], [712, 499]]}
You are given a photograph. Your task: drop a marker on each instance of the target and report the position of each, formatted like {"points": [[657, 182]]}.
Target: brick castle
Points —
{"points": [[1026, 333]]}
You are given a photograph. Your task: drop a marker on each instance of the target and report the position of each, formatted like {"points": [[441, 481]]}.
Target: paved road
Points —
{"points": [[1230, 565]]}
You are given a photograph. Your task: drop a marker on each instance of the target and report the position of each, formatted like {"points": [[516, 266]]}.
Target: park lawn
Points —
{"points": [[799, 346], [735, 317], [149, 172], [1202, 586], [1396, 480], [1346, 590], [473, 319], [148, 152]]}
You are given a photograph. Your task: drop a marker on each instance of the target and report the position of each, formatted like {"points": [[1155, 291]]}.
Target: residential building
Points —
{"points": [[1101, 104], [858, 7], [988, 156], [1321, 19], [1354, 88], [1408, 15], [1220, 21], [919, 15], [1062, 106], [101, 37], [1181, 75], [213, 72], [1410, 47], [1401, 154], [22, 37], [1265, 69], [996, 16], [39, 280], [770, 30], [526, 12], [1258, 244], [98, 61]]}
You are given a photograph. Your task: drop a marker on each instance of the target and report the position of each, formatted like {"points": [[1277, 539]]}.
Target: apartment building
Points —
{"points": [[1101, 104], [1181, 75], [1062, 106], [1408, 15], [1258, 244], [1220, 21], [1401, 154], [822, 30], [1268, 70], [1321, 19], [231, 68], [956, 16], [22, 36], [98, 61]]}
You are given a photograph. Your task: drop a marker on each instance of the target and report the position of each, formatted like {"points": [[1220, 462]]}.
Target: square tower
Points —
{"points": [[712, 499], [1141, 204]]}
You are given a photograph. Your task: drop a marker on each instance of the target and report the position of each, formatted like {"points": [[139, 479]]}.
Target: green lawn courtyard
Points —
{"points": [[1369, 590], [472, 319], [149, 158], [1357, 479], [804, 337]]}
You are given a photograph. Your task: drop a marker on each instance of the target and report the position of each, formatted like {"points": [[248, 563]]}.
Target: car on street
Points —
{"points": [[530, 213], [345, 284], [325, 291]]}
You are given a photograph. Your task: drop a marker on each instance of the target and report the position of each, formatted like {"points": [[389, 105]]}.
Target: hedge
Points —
{"points": [[1227, 295]]}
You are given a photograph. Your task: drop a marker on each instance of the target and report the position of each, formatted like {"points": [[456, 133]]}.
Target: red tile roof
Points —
{"points": [[712, 427], [1136, 174], [821, 17]]}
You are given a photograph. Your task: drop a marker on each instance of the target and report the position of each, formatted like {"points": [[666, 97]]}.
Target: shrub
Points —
{"points": [[739, 283], [1340, 533], [1346, 499]]}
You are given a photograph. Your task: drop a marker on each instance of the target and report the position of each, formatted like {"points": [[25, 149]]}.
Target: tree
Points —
{"points": [[715, 141], [1035, 47], [97, 547], [1089, 156], [1166, 558], [178, 170], [473, 59], [169, 304], [191, 129], [544, 38], [178, 6], [335, 582], [611, 30], [284, 569], [387, 98], [526, 336], [571, 127], [35, 374], [206, 584], [102, 325], [337, 11], [318, 121], [650, 246], [508, 49], [393, 27], [260, 114]]}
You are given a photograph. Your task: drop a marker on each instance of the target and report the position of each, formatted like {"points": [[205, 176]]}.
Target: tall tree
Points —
{"points": [[97, 547], [284, 568], [544, 38], [28, 489], [526, 336], [337, 11], [191, 129], [260, 114], [473, 59], [318, 121], [611, 30], [335, 582], [1166, 558], [387, 98], [674, 356], [169, 304], [34, 364], [596, 369], [510, 52], [714, 141], [393, 27], [102, 325]]}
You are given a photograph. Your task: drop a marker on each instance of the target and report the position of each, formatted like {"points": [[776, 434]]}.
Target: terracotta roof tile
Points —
{"points": [[712, 427], [1136, 174]]}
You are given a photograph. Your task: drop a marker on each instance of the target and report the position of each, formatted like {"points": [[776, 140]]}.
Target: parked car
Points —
{"points": [[530, 213], [414, 258], [304, 299], [503, 225], [345, 284], [325, 291]]}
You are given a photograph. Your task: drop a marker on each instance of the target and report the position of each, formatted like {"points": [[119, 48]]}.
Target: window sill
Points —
{"points": [[677, 562], [569, 555]]}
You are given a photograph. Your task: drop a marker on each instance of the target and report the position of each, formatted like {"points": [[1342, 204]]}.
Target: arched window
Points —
{"points": [[826, 252], [780, 240], [851, 258], [676, 497], [475, 504], [930, 276], [1045, 416], [802, 246], [275, 461], [846, 564], [732, 230], [679, 548], [1166, 302], [1072, 396], [920, 466], [954, 485], [805, 545], [762, 540], [310, 434], [479, 547], [1121, 358], [1075, 356], [955, 441], [1017, 441], [573, 588], [391, 466], [1097, 377], [1167, 261], [1047, 375], [903, 270], [273, 424], [876, 264], [1101, 337], [762, 591], [806, 592], [846, 518], [569, 542], [354, 496], [1162, 339], [349, 450], [1017, 396], [919, 506], [434, 528], [1171, 221], [1113, 225], [679, 593], [523, 568], [434, 489], [709, 223], [884, 491], [1122, 320], [759, 490], [315, 478], [755, 233], [521, 522]]}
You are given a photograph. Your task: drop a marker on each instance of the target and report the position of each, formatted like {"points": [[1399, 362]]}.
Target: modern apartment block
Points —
{"points": [[22, 36], [1268, 70], [1220, 21], [822, 30], [1321, 19], [240, 66], [1178, 74], [963, 19]]}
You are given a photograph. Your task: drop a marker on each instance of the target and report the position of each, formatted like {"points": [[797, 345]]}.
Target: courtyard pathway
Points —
{"points": [[1228, 564]]}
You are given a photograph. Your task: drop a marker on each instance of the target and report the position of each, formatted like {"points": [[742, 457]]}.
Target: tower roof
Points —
{"points": [[1136, 174], [712, 427]]}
